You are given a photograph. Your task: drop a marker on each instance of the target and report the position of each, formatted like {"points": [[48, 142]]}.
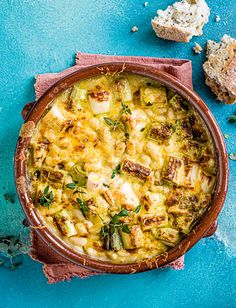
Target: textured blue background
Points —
{"points": [[43, 36]]}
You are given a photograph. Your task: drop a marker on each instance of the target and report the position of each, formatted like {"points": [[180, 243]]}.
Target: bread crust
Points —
{"points": [[181, 21], [220, 69]]}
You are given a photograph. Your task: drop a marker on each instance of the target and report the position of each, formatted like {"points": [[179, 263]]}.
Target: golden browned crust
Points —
{"points": [[21, 184], [27, 129], [220, 69]]}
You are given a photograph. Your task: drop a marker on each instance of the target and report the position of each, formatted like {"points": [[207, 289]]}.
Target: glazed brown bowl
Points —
{"points": [[207, 221]]}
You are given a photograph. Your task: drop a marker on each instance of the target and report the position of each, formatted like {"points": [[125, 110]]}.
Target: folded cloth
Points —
{"points": [[55, 267]]}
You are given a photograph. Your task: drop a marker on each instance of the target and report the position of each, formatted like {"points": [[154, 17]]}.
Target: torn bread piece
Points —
{"points": [[182, 20], [220, 69]]}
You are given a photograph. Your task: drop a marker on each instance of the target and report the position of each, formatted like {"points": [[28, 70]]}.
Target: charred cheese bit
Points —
{"points": [[135, 169], [135, 121], [134, 239], [173, 171], [179, 104], [39, 152], [160, 132], [99, 101], [158, 219], [65, 224]]}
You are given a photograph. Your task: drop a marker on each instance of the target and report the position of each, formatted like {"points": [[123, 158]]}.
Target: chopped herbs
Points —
{"points": [[123, 213], [125, 109], [11, 249], [232, 156], [138, 208], [10, 197], [149, 104], [46, 198], [113, 124], [126, 229], [104, 231], [111, 233], [142, 129], [116, 171], [83, 207], [105, 185], [232, 119], [71, 185]]}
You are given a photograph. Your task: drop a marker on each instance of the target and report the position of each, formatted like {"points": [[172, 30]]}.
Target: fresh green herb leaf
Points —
{"points": [[138, 208], [10, 197], [232, 156], [105, 185], [116, 171], [14, 266], [149, 104], [46, 199], [142, 129], [232, 119], [83, 207], [115, 124], [109, 121], [71, 185], [46, 190], [123, 213], [115, 219], [126, 229], [125, 109]]}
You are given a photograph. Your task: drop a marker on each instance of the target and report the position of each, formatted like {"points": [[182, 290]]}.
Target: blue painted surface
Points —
{"points": [[43, 36]]}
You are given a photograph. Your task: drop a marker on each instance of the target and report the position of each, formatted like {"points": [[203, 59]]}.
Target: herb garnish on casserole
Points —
{"points": [[121, 168]]}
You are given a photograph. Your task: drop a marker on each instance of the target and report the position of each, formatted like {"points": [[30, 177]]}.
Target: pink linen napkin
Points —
{"points": [[55, 267]]}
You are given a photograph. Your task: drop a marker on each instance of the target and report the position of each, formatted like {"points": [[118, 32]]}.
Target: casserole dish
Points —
{"points": [[39, 109]]}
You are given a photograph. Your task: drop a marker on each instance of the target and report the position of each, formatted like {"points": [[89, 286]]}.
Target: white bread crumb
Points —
{"points": [[134, 29], [220, 69], [182, 20], [197, 48]]}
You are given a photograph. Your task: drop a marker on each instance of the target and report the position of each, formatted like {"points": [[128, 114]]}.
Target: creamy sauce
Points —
{"points": [[121, 168]]}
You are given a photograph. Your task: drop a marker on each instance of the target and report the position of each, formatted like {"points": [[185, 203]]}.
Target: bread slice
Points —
{"points": [[220, 69], [182, 20]]}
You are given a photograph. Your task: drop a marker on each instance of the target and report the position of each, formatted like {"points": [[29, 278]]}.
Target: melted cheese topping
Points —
{"points": [[121, 168]]}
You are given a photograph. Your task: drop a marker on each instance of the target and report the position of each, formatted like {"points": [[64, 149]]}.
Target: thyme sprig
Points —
{"points": [[46, 199]]}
